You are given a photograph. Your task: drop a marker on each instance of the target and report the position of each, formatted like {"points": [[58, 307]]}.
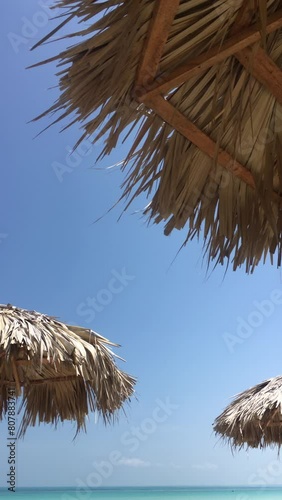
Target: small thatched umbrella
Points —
{"points": [[62, 372], [201, 83], [254, 418]]}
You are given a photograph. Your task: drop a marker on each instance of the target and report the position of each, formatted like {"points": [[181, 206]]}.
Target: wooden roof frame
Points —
{"points": [[150, 88]]}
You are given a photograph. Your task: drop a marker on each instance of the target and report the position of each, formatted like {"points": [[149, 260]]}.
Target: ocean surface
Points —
{"points": [[156, 493]]}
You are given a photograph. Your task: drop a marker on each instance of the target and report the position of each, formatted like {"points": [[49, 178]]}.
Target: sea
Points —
{"points": [[153, 493]]}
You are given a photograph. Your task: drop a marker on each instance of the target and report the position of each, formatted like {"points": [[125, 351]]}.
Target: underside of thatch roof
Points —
{"points": [[59, 372], [197, 84], [254, 418]]}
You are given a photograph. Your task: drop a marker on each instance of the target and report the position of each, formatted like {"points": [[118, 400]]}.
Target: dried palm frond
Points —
{"points": [[60, 372], [207, 148], [254, 418]]}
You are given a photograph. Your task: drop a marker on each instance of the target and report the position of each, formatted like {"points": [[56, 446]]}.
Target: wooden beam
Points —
{"points": [[256, 61], [217, 54], [162, 19], [44, 361], [244, 16], [263, 69], [185, 127], [66, 378]]}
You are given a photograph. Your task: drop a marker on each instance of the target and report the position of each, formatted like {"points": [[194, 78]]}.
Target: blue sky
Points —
{"points": [[181, 331]]}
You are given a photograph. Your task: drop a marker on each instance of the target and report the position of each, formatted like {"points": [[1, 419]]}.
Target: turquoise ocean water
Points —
{"points": [[157, 493]]}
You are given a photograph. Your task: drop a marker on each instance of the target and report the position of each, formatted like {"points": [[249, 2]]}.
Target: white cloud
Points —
{"points": [[133, 462], [205, 466]]}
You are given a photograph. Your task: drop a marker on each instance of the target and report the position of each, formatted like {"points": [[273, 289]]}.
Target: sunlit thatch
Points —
{"points": [[62, 372], [254, 418], [201, 83]]}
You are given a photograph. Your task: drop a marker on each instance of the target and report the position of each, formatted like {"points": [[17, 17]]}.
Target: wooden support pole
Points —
{"points": [[16, 377]]}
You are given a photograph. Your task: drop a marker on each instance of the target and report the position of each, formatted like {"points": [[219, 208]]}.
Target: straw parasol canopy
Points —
{"points": [[199, 83], [60, 372], [254, 418]]}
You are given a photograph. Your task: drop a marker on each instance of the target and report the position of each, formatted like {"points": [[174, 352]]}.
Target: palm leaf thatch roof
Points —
{"points": [[61, 372], [254, 418], [199, 83]]}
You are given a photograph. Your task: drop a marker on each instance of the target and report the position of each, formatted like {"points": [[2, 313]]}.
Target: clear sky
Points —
{"points": [[181, 331]]}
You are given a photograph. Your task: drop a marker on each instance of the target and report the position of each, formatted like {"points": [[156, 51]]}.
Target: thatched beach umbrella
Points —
{"points": [[201, 83], [254, 418], [61, 372]]}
